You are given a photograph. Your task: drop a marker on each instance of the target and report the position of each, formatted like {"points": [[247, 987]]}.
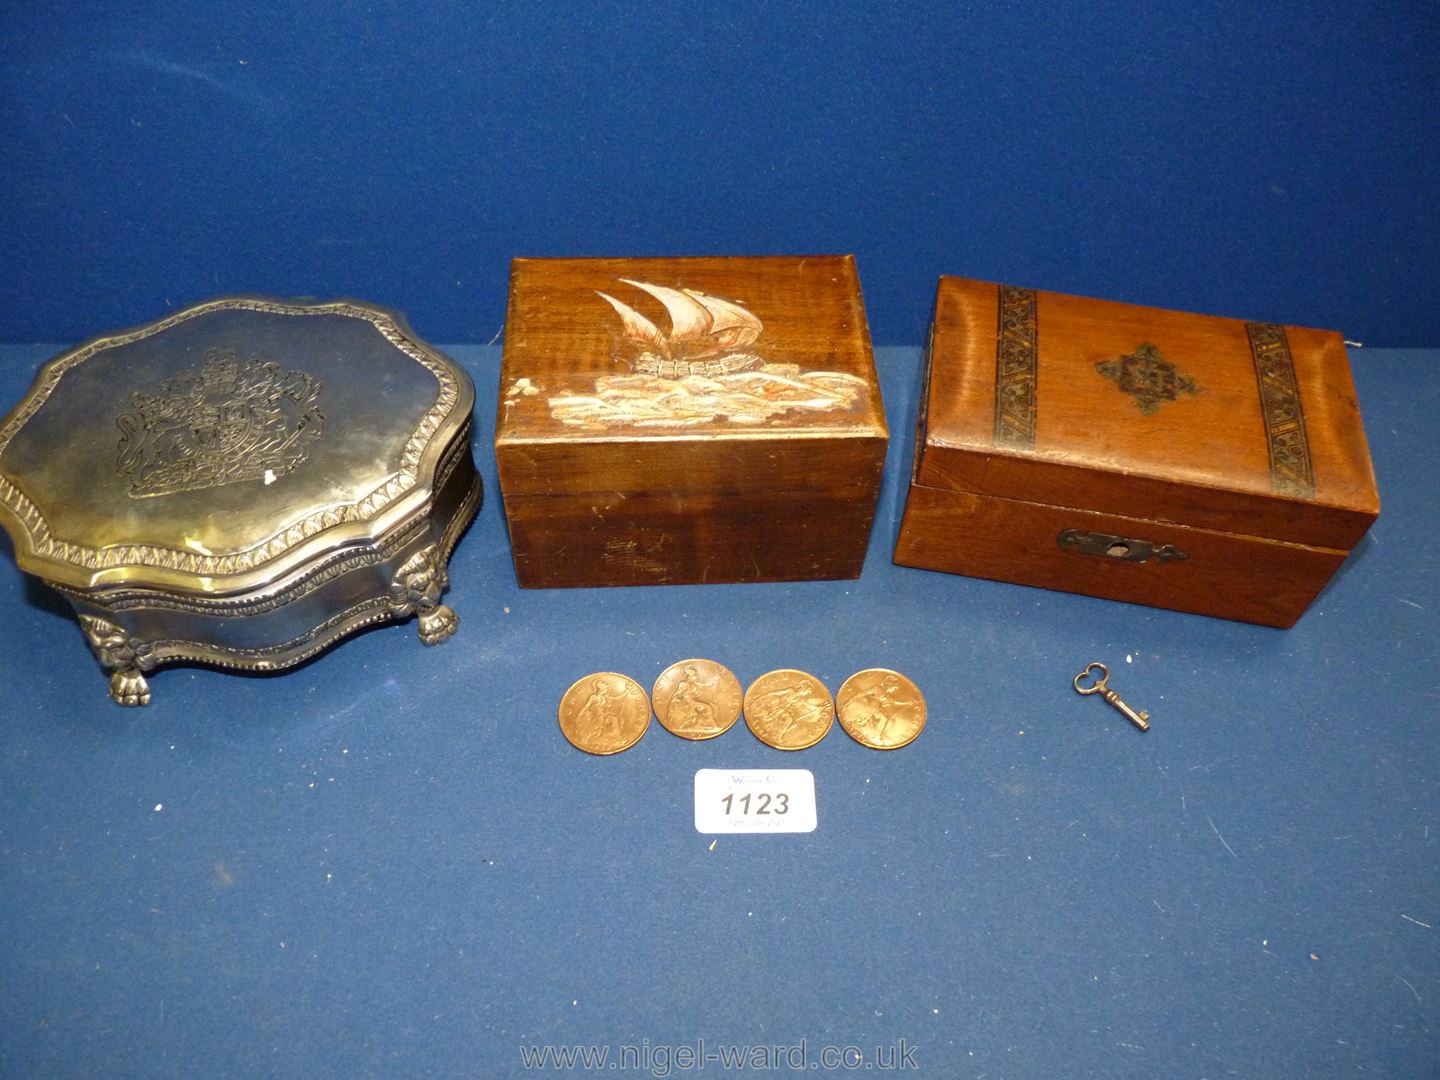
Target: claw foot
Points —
{"points": [[417, 588], [122, 654], [437, 624], [129, 688]]}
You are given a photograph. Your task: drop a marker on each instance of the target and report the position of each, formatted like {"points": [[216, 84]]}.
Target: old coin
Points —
{"points": [[697, 699], [881, 709], [604, 713], [788, 709]]}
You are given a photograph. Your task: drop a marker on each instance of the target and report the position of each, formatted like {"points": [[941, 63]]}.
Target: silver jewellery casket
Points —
{"points": [[242, 483]]}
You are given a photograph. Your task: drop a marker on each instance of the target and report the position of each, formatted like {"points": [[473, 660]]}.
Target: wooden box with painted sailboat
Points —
{"points": [[688, 420]]}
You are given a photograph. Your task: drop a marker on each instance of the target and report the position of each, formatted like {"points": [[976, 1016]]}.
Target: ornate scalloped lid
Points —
{"points": [[226, 444]]}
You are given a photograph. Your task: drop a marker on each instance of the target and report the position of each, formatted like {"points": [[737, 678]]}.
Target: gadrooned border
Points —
{"points": [[47, 545]]}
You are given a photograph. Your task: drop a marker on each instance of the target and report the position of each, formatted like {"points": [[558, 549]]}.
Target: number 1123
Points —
{"points": [[759, 804]]}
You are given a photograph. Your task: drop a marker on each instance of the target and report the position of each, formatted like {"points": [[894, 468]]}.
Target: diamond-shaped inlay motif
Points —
{"points": [[1148, 377]]}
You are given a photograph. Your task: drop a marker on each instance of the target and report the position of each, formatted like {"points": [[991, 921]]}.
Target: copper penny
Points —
{"points": [[788, 709], [881, 709], [697, 699], [604, 713]]}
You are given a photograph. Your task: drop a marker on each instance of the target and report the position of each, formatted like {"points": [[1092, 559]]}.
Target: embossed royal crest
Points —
{"points": [[226, 422], [1148, 377]]}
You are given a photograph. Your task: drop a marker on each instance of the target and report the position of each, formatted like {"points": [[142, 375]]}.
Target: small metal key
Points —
{"points": [[1101, 686]]}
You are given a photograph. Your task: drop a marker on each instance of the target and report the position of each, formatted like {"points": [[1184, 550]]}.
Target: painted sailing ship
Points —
{"points": [[708, 336]]}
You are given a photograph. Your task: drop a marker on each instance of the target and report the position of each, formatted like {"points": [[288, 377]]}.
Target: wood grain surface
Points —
{"points": [[1198, 460], [1181, 448], [614, 473]]}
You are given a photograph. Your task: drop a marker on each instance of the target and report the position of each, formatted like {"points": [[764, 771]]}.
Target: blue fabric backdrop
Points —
{"points": [[1279, 164]]}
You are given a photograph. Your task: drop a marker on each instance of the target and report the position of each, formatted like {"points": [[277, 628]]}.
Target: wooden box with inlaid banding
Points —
{"points": [[1192, 462]]}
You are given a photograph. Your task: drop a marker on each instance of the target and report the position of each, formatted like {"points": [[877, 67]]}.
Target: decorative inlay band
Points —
{"points": [[1015, 368], [1291, 472]]}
